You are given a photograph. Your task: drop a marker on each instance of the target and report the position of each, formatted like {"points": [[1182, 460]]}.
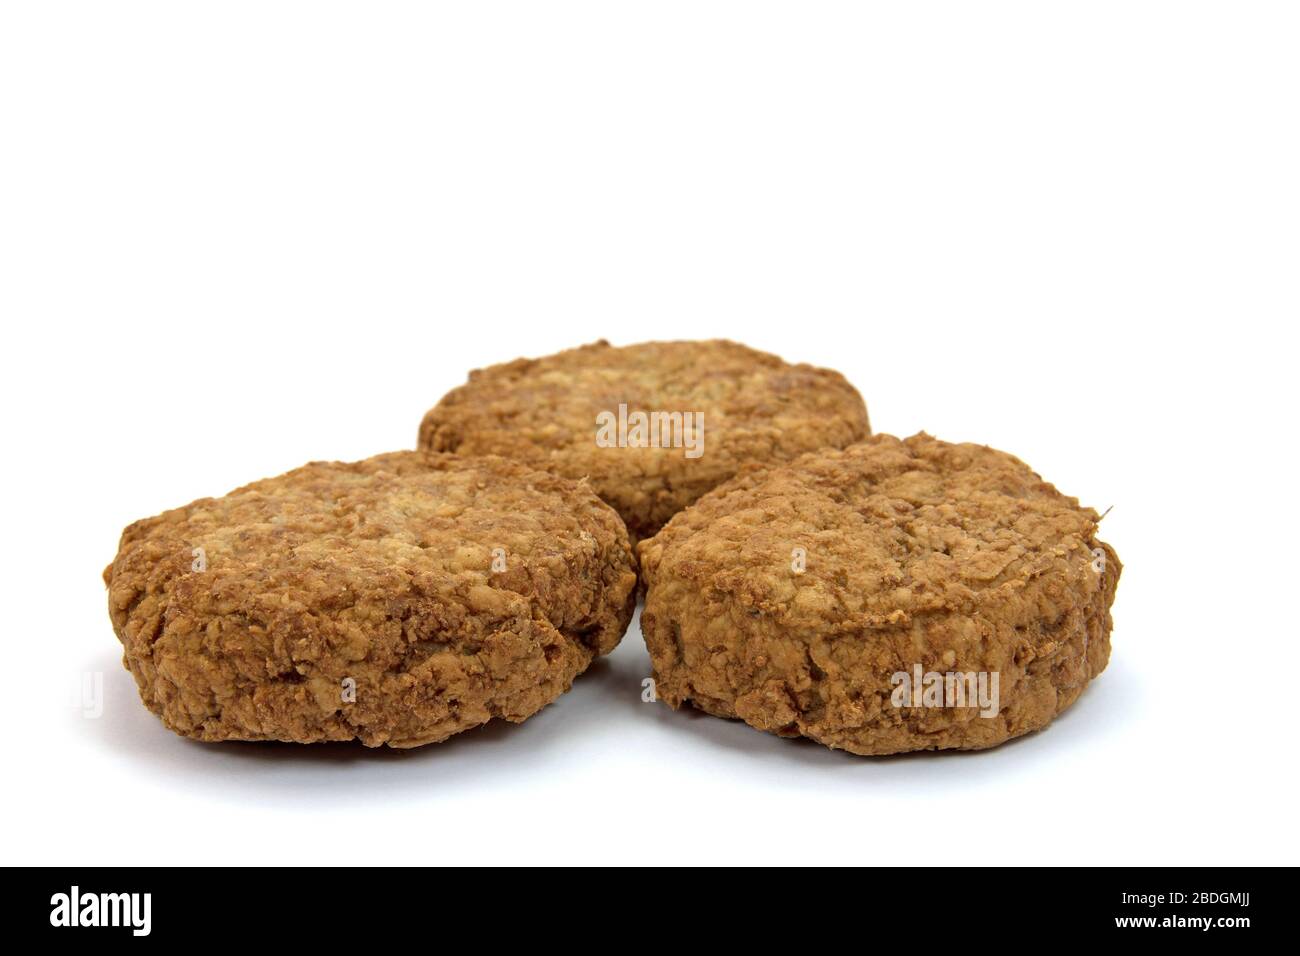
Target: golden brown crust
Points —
{"points": [[378, 571], [954, 557], [756, 408]]}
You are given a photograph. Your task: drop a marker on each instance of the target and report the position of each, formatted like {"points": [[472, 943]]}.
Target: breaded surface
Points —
{"points": [[756, 409], [379, 573], [954, 557]]}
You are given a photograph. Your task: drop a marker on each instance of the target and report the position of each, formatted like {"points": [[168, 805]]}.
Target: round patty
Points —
{"points": [[396, 600], [796, 598], [549, 411]]}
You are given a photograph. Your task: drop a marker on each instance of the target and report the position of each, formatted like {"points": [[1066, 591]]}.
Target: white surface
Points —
{"points": [[241, 236]]}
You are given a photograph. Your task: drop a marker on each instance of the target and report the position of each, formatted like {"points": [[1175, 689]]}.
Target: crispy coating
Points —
{"points": [[954, 557], [379, 573], [756, 408]]}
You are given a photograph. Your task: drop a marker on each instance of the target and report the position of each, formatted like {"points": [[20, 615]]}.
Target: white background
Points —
{"points": [[236, 237]]}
